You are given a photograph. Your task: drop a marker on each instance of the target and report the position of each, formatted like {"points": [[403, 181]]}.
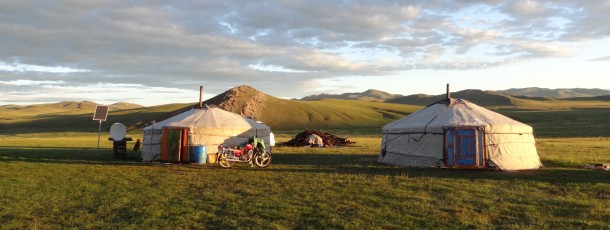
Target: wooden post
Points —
{"points": [[448, 92], [200, 97]]}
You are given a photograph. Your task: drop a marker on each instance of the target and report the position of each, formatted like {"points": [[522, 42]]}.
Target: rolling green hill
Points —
{"points": [[598, 98], [280, 114], [15, 113], [496, 100], [295, 114], [483, 98], [579, 117], [556, 93], [64, 107], [534, 93], [369, 95]]}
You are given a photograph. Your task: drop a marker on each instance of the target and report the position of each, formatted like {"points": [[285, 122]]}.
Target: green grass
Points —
{"points": [[565, 123], [331, 113], [60, 180], [50, 118], [279, 114], [551, 118]]}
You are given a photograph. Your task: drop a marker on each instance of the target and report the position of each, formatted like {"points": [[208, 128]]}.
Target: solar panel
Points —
{"points": [[101, 112]]}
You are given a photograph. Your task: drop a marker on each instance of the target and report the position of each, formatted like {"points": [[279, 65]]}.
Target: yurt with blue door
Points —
{"points": [[170, 139], [456, 133]]}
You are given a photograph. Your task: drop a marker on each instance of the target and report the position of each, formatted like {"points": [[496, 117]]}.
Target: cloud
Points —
{"points": [[178, 44], [37, 68], [541, 49], [606, 58], [528, 8], [20, 92], [31, 83]]}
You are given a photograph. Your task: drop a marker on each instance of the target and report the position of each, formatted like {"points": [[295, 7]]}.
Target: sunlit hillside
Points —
{"points": [[548, 116]]}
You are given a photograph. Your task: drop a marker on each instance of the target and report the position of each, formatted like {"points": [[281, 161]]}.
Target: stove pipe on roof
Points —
{"points": [[200, 97]]}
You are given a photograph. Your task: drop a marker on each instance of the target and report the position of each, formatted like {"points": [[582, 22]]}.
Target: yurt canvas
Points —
{"points": [[456, 133], [209, 127]]}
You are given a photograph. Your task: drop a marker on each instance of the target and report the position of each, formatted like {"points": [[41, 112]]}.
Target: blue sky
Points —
{"points": [[160, 52]]}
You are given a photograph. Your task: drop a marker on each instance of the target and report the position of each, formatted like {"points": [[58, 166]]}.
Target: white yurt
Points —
{"points": [[456, 133], [208, 127]]}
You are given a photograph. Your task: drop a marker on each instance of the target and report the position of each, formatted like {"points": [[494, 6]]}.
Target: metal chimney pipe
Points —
{"points": [[200, 97], [448, 92]]}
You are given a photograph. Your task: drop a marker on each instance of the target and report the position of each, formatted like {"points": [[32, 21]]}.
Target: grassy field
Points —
{"points": [[279, 113], [565, 123], [60, 180]]}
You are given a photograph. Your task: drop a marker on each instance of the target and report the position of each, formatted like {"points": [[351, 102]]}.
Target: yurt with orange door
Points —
{"points": [[456, 133], [170, 139]]}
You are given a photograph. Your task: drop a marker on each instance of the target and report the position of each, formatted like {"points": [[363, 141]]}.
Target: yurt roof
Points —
{"points": [[207, 118], [454, 112]]}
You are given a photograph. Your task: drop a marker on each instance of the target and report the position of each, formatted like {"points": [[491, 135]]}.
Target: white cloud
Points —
{"points": [[281, 43], [542, 49], [607, 58], [409, 12], [31, 83], [528, 7], [275, 68], [18, 67], [19, 92]]}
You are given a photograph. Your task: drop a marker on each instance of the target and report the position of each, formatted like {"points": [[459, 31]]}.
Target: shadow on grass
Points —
{"points": [[346, 164], [549, 175], [66, 155], [54, 148], [366, 164]]}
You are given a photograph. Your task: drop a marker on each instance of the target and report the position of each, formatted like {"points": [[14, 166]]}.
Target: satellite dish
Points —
{"points": [[117, 131]]}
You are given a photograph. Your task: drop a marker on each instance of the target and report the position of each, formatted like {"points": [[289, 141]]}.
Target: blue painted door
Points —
{"points": [[464, 147]]}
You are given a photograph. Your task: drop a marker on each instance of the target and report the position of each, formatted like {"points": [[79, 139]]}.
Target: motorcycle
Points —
{"points": [[253, 152]]}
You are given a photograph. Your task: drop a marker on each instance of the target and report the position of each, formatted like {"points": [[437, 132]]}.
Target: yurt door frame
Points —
{"points": [[465, 147], [175, 144]]}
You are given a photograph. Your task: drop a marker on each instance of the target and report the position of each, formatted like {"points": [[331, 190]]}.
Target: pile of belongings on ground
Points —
{"points": [[598, 166], [315, 138]]}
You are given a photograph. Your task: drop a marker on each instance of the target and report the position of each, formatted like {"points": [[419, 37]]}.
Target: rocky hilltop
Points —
{"points": [[243, 100]]}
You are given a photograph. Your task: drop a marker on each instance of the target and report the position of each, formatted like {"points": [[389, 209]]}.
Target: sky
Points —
{"points": [[160, 52]]}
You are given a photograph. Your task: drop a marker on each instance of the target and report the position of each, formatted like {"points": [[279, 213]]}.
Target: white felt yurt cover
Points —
{"points": [[418, 139], [209, 126]]}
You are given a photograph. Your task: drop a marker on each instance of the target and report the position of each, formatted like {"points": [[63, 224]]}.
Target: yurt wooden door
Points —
{"points": [[464, 147], [175, 144]]}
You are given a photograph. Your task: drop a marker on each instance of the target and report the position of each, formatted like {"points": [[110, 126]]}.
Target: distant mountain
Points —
{"points": [[556, 93], [61, 116], [483, 98], [279, 114], [124, 105], [75, 105], [369, 95], [506, 97], [68, 106]]}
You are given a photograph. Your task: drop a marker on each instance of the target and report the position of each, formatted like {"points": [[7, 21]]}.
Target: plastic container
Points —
{"points": [[212, 158], [198, 154]]}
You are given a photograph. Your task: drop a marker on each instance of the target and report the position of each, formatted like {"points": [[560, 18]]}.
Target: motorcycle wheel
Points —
{"points": [[261, 160], [223, 162]]}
